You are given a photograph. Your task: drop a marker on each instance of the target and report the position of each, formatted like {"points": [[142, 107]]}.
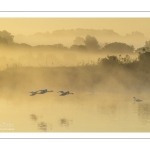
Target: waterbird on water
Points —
{"points": [[137, 100]]}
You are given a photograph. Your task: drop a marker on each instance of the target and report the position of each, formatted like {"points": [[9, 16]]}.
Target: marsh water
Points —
{"points": [[78, 112]]}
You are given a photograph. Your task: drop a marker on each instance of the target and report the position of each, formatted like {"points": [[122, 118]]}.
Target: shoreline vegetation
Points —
{"points": [[114, 67], [110, 74]]}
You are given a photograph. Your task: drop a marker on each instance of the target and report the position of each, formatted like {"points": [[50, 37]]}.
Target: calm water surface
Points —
{"points": [[81, 112]]}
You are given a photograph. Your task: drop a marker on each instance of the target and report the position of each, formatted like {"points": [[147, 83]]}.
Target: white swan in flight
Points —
{"points": [[44, 91], [64, 93]]}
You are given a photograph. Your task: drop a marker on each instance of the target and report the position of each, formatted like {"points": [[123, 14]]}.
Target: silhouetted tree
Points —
{"points": [[144, 61], [59, 46], [141, 50], [52, 47], [78, 47], [144, 57], [147, 44], [110, 60], [91, 43], [7, 36], [78, 41], [118, 48], [3, 41]]}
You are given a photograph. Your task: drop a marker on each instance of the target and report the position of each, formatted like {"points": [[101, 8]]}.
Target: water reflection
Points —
{"points": [[64, 122], [144, 112], [42, 126], [83, 113], [33, 117]]}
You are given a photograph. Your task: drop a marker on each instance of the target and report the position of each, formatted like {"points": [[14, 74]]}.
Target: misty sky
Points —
{"points": [[29, 26]]}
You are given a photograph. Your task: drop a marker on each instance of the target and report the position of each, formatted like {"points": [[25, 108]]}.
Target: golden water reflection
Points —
{"points": [[80, 112]]}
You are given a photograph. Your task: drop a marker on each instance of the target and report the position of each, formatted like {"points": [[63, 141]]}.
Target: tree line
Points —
{"points": [[89, 43]]}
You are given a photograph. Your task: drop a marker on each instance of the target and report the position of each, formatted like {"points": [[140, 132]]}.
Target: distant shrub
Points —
{"points": [[118, 48]]}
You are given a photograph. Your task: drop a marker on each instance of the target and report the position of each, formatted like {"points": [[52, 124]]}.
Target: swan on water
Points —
{"points": [[137, 100]]}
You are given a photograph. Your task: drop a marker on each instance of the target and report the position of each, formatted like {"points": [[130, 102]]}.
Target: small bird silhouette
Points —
{"points": [[137, 100]]}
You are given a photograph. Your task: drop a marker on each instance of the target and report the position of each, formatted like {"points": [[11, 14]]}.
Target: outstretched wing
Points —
{"points": [[61, 92], [41, 90], [33, 92]]}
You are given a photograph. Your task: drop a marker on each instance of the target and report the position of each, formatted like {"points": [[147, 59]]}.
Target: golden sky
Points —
{"points": [[29, 26]]}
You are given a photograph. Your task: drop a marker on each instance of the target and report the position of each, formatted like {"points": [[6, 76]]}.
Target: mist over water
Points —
{"points": [[102, 100], [103, 79], [76, 113]]}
